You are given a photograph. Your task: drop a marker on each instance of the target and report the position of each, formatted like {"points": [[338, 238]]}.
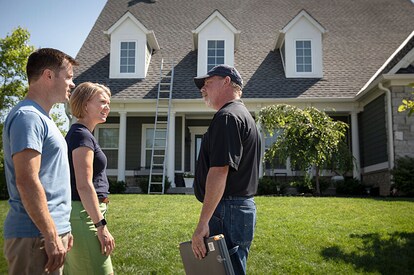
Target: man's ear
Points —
{"points": [[47, 73]]}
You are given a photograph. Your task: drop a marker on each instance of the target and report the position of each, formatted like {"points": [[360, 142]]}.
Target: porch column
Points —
{"points": [[171, 150], [355, 145], [121, 146]]}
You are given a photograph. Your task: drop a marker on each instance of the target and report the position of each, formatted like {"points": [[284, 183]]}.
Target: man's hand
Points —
{"points": [[106, 240], [197, 242], [70, 242], [55, 252]]}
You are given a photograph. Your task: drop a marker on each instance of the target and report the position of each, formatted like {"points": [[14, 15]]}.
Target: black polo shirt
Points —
{"points": [[232, 139]]}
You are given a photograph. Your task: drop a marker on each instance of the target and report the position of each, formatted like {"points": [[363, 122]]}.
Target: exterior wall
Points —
{"points": [[373, 146], [303, 30], [372, 132], [403, 124], [378, 180]]}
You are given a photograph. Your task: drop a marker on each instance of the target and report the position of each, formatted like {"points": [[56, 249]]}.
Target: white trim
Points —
{"points": [[143, 141], [127, 74], [195, 130], [375, 167], [386, 63], [299, 74], [152, 40], [219, 16]]}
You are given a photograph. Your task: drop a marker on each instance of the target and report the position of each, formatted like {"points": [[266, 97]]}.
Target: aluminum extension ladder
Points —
{"points": [[157, 175]]}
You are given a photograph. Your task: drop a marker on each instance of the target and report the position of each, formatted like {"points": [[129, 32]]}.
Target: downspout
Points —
{"points": [[389, 123]]}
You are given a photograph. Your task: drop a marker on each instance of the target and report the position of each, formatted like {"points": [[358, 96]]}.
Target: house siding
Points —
{"points": [[373, 138]]}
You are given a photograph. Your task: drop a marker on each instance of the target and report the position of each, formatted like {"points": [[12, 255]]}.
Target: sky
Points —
{"points": [[60, 24]]}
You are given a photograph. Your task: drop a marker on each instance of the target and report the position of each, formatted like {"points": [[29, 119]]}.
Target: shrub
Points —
{"points": [[143, 184], [350, 186], [267, 186], [116, 187], [403, 173]]}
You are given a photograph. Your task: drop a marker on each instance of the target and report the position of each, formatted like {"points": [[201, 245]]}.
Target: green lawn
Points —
{"points": [[294, 235]]}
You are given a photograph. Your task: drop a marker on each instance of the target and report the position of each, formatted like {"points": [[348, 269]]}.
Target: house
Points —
{"points": [[352, 59]]}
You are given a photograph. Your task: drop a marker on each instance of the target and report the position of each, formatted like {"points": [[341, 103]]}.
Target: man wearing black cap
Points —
{"points": [[227, 171]]}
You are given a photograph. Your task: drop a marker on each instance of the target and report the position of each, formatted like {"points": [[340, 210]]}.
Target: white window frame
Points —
{"points": [[136, 57], [216, 56], [145, 127], [296, 57], [110, 172]]}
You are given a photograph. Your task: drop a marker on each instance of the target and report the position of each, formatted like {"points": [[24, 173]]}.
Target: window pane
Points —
{"points": [[220, 60], [307, 52], [211, 44], [123, 69], [299, 44], [308, 68], [131, 69], [307, 44], [299, 68], [124, 45], [220, 52], [220, 44], [211, 60], [108, 137]]}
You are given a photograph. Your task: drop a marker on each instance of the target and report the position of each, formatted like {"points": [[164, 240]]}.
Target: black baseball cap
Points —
{"points": [[220, 70]]}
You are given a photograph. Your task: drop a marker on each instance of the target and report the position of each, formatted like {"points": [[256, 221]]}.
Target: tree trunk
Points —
{"points": [[318, 189]]}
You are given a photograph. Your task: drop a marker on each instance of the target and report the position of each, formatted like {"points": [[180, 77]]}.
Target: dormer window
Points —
{"points": [[300, 47], [216, 40], [132, 46], [215, 53], [303, 56], [127, 58]]}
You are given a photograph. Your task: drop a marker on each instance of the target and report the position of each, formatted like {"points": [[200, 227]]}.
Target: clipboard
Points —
{"points": [[217, 260]]}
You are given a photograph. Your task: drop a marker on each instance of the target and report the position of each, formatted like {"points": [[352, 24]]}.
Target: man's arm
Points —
{"points": [[27, 167], [215, 186]]}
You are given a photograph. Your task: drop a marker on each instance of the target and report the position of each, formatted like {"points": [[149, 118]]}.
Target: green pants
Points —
{"points": [[85, 256]]}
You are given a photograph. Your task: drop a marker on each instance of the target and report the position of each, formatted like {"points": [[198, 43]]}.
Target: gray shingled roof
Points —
{"points": [[362, 35]]}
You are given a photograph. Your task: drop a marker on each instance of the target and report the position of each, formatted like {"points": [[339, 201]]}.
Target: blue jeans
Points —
{"points": [[235, 218]]}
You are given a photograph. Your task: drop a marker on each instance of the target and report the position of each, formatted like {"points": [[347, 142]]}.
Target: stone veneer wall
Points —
{"points": [[403, 124], [380, 179]]}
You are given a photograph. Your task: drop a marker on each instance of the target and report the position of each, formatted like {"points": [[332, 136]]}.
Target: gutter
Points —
{"points": [[389, 124]]}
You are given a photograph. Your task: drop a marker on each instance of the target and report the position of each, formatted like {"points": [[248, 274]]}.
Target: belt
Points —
{"points": [[104, 200], [236, 198]]}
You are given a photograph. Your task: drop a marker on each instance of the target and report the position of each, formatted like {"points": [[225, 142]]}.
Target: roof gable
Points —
{"points": [[151, 39], [216, 15], [294, 21]]}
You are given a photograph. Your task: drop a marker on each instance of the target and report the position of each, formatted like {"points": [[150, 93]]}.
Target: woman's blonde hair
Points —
{"points": [[82, 94]]}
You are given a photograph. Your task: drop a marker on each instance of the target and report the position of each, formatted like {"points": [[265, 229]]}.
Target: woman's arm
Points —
{"points": [[83, 166]]}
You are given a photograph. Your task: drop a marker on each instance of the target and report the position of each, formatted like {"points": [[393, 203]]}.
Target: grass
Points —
{"points": [[294, 235]]}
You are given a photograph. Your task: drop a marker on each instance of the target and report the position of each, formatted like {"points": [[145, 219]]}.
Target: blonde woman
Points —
{"points": [[93, 243]]}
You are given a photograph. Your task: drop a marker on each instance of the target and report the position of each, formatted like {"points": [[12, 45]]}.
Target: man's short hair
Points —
{"points": [[46, 58]]}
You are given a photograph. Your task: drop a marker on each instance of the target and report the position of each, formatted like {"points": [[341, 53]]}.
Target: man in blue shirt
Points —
{"points": [[37, 229]]}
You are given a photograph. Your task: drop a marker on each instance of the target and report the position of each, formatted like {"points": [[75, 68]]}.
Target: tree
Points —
{"points": [[14, 51], [309, 137], [407, 104]]}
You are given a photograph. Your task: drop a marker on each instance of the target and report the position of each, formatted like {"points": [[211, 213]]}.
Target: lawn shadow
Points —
{"points": [[390, 254]]}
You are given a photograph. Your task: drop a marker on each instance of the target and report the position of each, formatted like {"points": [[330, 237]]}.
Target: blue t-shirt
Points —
{"points": [[80, 136], [28, 126]]}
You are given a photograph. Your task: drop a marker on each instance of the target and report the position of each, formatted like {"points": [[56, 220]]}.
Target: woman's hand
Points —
{"points": [[106, 240]]}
